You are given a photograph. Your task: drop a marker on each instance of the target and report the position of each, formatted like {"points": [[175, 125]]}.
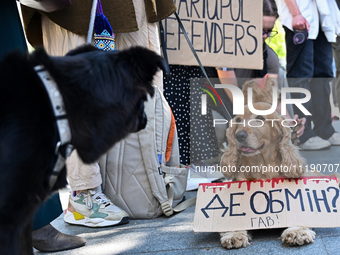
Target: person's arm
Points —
{"points": [[299, 22]]}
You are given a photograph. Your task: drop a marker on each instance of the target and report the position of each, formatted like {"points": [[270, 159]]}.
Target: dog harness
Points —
{"points": [[63, 147]]}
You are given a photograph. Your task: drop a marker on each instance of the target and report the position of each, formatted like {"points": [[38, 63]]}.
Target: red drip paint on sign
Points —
{"points": [[274, 182]]}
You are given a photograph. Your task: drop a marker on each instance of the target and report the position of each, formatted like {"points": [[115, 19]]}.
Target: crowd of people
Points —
{"points": [[135, 22]]}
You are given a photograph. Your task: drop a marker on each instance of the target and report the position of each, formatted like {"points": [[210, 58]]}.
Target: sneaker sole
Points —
{"points": [[320, 149], [93, 222], [62, 249]]}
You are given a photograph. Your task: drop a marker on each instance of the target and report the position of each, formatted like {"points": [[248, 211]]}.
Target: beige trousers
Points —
{"points": [[58, 41]]}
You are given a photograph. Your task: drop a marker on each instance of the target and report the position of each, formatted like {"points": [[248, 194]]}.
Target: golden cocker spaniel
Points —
{"points": [[257, 140]]}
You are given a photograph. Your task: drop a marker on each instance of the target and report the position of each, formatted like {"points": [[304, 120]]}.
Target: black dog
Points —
{"points": [[103, 95]]}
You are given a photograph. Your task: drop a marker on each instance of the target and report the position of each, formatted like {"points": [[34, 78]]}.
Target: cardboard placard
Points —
{"points": [[224, 33], [264, 204]]}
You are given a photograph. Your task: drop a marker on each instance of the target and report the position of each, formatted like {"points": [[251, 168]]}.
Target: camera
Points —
{"points": [[300, 36]]}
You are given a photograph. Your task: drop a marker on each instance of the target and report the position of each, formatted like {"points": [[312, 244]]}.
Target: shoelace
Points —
{"points": [[101, 198], [98, 197]]}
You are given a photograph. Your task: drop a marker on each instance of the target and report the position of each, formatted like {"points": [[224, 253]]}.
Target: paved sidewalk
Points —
{"points": [[174, 235]]}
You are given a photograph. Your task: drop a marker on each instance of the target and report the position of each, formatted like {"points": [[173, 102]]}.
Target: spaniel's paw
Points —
{"points": [[235, 239], [297, 236]]}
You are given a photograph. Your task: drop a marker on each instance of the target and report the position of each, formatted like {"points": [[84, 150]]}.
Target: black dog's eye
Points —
{"points": [[259, 117], [238, 120]]}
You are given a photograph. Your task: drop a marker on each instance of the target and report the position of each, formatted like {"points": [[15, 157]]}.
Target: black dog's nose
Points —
{"points": [[241, 136]]}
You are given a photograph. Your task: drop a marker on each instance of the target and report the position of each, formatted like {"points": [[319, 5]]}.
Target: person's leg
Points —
{"points": [[299, 69], [147, 36], [336, 54], [79, 175], [87, 206], [320, 87], [82, 176], [47, 212], [44, 236], [15, 37]]}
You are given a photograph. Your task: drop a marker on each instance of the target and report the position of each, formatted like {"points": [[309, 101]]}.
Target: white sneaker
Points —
{"points": [[334, 139], [315, 143], [94, 209]]}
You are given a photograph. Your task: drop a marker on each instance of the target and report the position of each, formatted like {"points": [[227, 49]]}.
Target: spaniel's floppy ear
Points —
{"points": [[290, 155], [231, 155]]}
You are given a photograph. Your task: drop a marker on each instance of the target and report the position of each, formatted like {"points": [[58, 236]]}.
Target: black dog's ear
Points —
{"points": [[82, 49], [142, 63], [147, 56]]}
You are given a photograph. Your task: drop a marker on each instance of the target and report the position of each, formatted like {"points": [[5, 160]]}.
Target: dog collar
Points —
{"points": [[63, 126]]}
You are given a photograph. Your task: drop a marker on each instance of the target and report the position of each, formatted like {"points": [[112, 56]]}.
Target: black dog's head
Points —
{"points": [[104, 94]]}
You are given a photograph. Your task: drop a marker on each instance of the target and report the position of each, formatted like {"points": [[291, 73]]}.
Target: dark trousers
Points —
{"points": [[47, 212], [13, 37], [307, 63], [336, 55]]}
